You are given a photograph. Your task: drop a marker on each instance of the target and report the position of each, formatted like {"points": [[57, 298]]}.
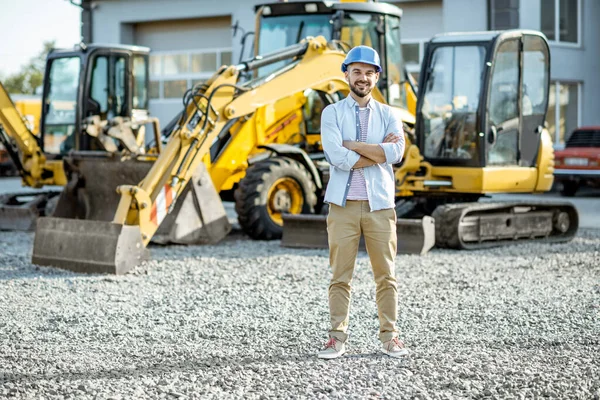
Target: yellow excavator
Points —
{"points": [[259, 139], [94, 104]]}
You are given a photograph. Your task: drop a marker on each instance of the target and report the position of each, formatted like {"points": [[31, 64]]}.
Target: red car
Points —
{"points": [[578, 163]]}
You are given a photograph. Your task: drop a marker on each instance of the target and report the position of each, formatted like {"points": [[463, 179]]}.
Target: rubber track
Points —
{"points": [[448, 217]]}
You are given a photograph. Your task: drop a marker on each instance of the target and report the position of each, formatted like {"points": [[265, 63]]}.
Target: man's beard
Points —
{"points": [[361, 92]]}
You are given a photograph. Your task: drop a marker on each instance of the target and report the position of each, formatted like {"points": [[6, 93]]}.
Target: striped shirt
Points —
{"points": [[358, 185]]}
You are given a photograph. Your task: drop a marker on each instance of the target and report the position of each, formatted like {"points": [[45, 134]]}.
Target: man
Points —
{"points": [[361, 138]]}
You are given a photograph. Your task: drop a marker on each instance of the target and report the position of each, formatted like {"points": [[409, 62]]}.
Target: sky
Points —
{"points": [[26, 24]]}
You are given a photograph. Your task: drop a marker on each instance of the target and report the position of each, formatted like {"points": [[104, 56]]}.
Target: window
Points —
{"points": [[99, 85], [285, 30], [175, 64], [155, 62], [395, 66], [172, 73], [560, 20], [563, 110], [61, 104], [225, 58], [107, 87], [175, 89], [140, 73], [451, 100], [120, 96], [206, 62], [504, 113], [154, 90], [411, 53], [535, 77], [503, 14]]}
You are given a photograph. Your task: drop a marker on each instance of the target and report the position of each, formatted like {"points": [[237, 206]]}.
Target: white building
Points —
{"points": [[191, 38]]}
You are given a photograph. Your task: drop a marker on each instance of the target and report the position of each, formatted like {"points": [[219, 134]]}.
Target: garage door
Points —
{"points": [[184, 52]]}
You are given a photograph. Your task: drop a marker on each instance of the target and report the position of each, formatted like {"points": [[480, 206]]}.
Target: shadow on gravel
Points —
{"points": [[34, 272], [160, 369]]}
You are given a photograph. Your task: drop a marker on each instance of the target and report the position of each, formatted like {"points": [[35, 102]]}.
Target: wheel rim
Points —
{"points": [[285, 196]]}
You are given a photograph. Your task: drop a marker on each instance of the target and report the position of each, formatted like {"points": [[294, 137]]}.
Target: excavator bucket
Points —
{"points": [[20, 211], [82, 236], [415, 236], [91, 192]]}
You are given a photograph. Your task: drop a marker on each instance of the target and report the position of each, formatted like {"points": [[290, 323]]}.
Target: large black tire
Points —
{"points": [[265, 183], [569, 188]]}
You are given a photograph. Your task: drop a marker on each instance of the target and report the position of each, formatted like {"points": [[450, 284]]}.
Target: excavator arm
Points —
{"points": [[207, 114], [22, 145]]}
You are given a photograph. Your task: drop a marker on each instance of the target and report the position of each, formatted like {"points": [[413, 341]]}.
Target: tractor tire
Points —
{"points": [[272, 187]]}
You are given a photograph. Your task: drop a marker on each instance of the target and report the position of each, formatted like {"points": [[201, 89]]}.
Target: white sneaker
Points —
{"points": [[333, 349], [395, 348]]}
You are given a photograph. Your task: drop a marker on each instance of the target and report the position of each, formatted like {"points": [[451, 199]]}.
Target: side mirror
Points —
{"points": [[492, 135]]}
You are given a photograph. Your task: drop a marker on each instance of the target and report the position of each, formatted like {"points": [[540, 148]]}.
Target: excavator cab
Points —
{"points": [[480, 113], [87, 86], [482, 103], [347, 24]]}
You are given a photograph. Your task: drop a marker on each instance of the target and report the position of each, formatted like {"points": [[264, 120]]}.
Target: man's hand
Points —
{"points": [[350, 144], [391, 138]]}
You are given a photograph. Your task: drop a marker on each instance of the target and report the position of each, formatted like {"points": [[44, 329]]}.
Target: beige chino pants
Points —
{"points": [[344, 228]]}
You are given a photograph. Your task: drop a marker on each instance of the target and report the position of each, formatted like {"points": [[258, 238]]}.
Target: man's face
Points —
{"points": [[362, 78]]}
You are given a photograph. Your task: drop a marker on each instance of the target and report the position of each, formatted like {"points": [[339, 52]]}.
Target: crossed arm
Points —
{"points": [[370, 154], [346, 154]]}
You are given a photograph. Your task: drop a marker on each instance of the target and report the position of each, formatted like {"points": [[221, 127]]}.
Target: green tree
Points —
{"points": [[31, 75]]}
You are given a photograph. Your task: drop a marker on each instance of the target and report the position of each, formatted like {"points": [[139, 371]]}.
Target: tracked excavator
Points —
{"points": [[94, 105], [259, 140]]}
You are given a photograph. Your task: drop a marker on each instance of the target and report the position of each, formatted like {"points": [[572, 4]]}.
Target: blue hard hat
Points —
{"points": [[362, 54]]}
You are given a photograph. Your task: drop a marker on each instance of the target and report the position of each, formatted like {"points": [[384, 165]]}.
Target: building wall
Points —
{"points": [[464, 15], [582, 63], [420, 20], [573, 63], [194, 24], [112, 20]]}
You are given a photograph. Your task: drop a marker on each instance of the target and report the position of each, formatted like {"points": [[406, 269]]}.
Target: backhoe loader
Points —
{"points": [[212, 135], [477, 127], [94, 104], [259, 140]]}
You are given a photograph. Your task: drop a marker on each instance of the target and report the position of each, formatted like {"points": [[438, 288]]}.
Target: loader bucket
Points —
{"points": [[415, 236], [87, 246], [81, 236]]}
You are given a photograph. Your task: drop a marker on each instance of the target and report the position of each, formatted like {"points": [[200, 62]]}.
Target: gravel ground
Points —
{"points": [[245, 319]]}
